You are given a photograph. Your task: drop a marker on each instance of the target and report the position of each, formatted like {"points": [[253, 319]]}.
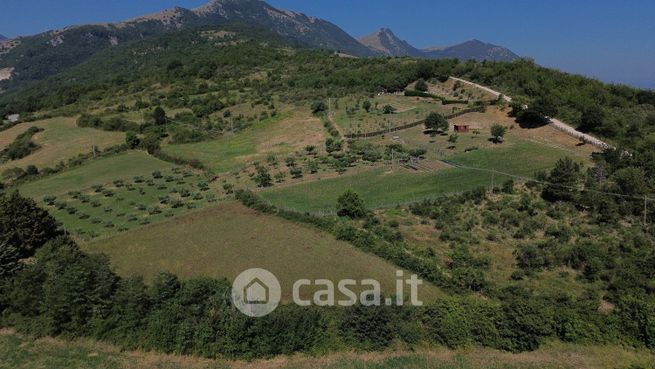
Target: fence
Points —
{"points": [[479, 109]]}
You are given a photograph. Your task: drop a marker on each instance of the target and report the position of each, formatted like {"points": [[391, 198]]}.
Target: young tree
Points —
{"points": [[421, 85], [159, 116], [453, 138], [31, 170], [263, 177], [312, 166], [319, 107], [367, 106], [350, 204], [498, 132], [132, 140], [332, 145], [296, 172], [280, 176], [388, 109], [436, 121]]}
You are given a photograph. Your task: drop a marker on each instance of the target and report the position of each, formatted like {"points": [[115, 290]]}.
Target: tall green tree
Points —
{"points": [[159, 116], [563, 181], [350, 204], [436, 121], [592, 119], [24, 225]]}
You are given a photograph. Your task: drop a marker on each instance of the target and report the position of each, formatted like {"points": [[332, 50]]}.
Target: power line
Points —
{"points": [[646, 198]]}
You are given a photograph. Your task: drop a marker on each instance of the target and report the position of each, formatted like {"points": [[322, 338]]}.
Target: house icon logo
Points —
{"points": [[256, 292]]}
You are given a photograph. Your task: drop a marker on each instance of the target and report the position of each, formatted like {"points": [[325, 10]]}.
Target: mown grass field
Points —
{"points": [[288, 132], [224, 240], [381, 188], [20, 352], [61, 140], [100, 171]]}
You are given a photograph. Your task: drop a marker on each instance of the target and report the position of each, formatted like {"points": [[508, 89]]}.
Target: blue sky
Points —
{"points": [[610, 40]]}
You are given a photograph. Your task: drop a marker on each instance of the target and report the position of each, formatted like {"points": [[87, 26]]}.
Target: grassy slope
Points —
{"points": [[137, 202], [19, 352], [99, 171], [380, 188], [225, 240], [283, 134], [409, 110], [60, 140]]}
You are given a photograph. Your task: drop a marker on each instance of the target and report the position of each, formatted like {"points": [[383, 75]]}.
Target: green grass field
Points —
{"points": [[281, 135], [122, 205], [100, 171], [61, 140], [19, 352], [381, 188], [224, 240]]}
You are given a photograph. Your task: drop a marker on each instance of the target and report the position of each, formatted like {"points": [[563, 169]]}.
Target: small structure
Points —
{"points": [[13, 118], [462, 128]]}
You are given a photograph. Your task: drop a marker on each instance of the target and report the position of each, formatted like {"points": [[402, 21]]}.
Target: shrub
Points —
{"points": [[350, 204]]}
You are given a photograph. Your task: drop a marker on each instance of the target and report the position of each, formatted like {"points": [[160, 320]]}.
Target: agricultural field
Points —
{"points": [[60, 140], [452, 90], [224, 240], [382, 187], [104, 170], [48, 353], [121, 205], [288, 132], [351, 117]]}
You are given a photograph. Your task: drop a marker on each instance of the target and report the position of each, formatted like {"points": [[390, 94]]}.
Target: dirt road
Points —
{"points": [[558, 124]]}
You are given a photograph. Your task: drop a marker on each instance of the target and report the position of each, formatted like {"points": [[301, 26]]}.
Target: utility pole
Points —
{"points": [[392, 157]]}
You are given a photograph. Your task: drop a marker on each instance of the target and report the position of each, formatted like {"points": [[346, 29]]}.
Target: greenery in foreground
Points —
{"points": [[20, 352], [66, 292]]}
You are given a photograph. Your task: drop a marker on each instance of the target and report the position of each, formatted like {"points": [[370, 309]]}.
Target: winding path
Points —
{"points": [[558, 124]]}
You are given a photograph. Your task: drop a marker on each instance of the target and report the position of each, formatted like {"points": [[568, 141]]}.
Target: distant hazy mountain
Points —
{"points": [[384, 41], [387, 43], [2, 38], [473, 49]]}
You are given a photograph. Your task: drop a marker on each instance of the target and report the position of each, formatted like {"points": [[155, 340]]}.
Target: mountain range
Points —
{"points": [[34, 58], [385, 42], [2, 38]]}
